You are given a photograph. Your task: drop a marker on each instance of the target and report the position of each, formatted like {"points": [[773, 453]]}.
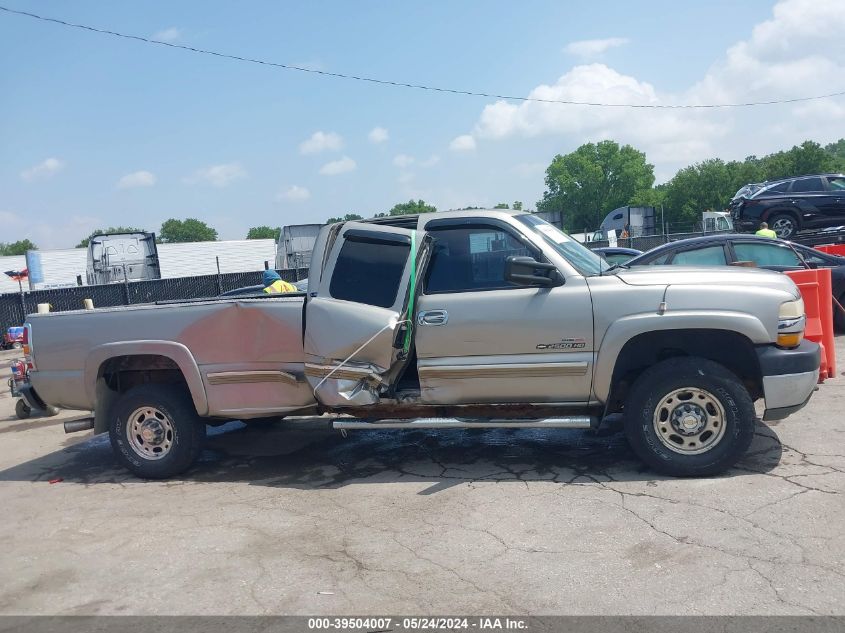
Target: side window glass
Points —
{"points": [[660, 260], [707, 256], [781, 188], [807, 185], [766, 254], [467, 259], [369, 273], [837, 184]]}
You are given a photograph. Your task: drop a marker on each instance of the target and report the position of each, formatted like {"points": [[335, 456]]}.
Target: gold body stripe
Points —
{"points": [[239, 377]]}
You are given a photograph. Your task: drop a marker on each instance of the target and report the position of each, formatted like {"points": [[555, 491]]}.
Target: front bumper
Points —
{"points": [[789, 377]]}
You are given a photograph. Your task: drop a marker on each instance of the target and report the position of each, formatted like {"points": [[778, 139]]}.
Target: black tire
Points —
{"points": [[839, 314], [784, 224], [183, 440], [719, 384], [17, 345], [22, 410]]}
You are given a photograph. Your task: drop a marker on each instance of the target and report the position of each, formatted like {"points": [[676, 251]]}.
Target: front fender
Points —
{"points": [[626, 328], [176, 352]]}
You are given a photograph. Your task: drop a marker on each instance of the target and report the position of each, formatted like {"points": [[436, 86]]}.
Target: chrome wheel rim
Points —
{"points": [[689, 421], [783, 227], [150, 433]]}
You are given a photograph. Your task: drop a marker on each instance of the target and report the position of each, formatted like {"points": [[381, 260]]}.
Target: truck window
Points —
{"points": [[369, 273], [467, 259], [766, 254], [707, 256]]}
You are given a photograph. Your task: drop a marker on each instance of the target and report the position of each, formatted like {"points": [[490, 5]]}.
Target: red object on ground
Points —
{"points": [[56, 480], [832, 249], [816, 291]]}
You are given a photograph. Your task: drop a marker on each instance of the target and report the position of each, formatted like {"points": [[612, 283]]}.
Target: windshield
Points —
{"points": [[582, 258]]}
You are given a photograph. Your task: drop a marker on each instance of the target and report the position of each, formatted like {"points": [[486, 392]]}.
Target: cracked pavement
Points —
{"points": [[296, 519]]}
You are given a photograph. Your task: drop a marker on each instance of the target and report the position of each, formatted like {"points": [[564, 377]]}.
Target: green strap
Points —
{"points": [[412, 287]]}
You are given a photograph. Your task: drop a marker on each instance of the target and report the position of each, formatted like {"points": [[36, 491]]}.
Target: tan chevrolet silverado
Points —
{"points": [[448, 320]]}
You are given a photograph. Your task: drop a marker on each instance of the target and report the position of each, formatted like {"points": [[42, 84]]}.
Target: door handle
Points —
{"points": [[433, 317]]}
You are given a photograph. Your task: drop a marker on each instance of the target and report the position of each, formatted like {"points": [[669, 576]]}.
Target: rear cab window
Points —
{"points": [[369, 271]]}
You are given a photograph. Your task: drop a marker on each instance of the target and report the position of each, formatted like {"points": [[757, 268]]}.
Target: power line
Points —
{"points": [[402, 84]]}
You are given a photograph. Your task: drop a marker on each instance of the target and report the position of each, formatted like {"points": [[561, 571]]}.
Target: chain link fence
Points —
{"points": [[15, 306]]}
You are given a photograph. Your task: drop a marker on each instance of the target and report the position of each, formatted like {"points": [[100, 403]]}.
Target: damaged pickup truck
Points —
{"points": [[447, 320]]}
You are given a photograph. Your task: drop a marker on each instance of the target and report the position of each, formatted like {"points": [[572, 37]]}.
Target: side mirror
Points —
{"points": [[527, 271]]}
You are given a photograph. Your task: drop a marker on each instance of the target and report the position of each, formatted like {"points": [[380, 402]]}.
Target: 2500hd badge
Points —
{"points": [[566, 343]]}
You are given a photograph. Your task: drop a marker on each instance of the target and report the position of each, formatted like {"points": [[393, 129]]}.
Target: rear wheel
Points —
{"points": [[689, 417], [784, 225], [22, 410], [155, 431]]}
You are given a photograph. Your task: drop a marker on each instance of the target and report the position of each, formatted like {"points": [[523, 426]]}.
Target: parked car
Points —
{"points": [[616, 254], [777, 255], [468, 319], [12, 338], [791, 205]]}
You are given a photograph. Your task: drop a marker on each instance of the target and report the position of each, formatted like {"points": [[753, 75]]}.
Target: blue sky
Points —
{"points": [[98, 131]]}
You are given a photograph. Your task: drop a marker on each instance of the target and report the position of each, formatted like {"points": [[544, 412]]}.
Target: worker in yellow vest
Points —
{"points": [[765, 231], [273, 283]]}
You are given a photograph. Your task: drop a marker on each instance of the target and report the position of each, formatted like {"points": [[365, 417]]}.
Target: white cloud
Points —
{"points": [[794, 53], [593, 48], [294, 193], [341, 166], [431, 161], [218, 175], [462, 143], [403, 160], [42, 170], [167, 35], [378, 135], [321, 141], [141, 178]]}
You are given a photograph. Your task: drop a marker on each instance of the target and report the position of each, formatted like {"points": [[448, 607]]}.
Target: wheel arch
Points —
{"points": [[770, 213], [142, 358], [731, 348]]}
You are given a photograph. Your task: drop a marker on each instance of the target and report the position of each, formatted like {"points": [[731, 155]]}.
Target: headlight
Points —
{"points": [[791, 323], [791, 309]]}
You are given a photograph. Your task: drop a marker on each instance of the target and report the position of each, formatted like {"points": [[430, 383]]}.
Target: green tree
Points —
{"points": [[502, 205], [837, 150], [705, 185], [807, 158], [346, 218], [411, 207], [517, 206], [112, 229], [17, 248], [188, 230], [263, 233], [594, 179]]}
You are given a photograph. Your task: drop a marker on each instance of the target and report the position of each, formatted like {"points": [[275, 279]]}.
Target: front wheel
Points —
{"points": [[155, 431], [784, 225], [689, 417]]}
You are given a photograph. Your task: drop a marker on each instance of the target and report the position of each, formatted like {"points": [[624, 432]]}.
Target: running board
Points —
{"points": [[569, 422]]}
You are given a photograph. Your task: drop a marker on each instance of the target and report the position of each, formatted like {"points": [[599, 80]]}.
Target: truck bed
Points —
{"points": [[246, 353]]}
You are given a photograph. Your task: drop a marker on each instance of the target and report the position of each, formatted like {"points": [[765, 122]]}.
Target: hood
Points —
{"points": [[709, 276]]}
